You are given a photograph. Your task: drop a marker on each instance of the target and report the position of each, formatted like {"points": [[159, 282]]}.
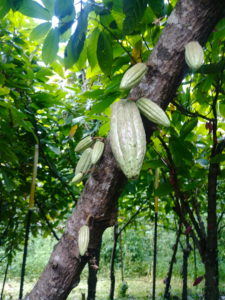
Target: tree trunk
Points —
{"points": [[93, 266], [211, 259], [190, 20], [154, 258], [121, 257], [186, 252], [173, 259], [112, 263]]}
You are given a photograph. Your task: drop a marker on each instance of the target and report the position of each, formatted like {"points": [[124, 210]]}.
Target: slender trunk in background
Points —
{"points": [[186, 252], [93, 266], [211, 259], [154, 257], [173, 260], [112, 263], [121, 257], [4, 280], [23, 269]]}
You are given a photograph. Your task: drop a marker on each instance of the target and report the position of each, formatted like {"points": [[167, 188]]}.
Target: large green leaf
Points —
{"points": [[76, 42], [51, 46], [40, 31], [105, 53], [158, 6], [15, 4], [64, 8], [34, 10], [49, 4], [134, 11], [4, 8], [92, 48], [188, 127]]}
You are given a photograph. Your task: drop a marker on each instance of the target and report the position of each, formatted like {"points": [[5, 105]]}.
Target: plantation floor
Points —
{"points": [[138, 288]]}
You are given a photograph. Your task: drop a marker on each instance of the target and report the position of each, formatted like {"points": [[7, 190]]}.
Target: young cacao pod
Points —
{"points": [[77, 178], [83, 239], [133, 76], [194, 55], [153, 112], [84, 162], [84, 144], [127, 137], [97, 151]]}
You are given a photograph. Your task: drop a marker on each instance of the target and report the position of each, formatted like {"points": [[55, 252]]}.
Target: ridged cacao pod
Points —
{"points": [[84, 162], [77, 178], [127, 137], [84, 144], [133, 76], [153, 112], [83, 239], [97, 152], [194, 55]]}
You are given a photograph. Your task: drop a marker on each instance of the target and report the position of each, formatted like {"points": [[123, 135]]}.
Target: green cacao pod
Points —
{"points": [[77, 178], [83, 239], [97, 151], [127, 137], [84, 162], [84, 144], [153, 112], [194, 55], [133, 76]]}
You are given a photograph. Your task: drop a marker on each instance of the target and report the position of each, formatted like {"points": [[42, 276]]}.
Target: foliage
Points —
{"points": [[49, 105]]}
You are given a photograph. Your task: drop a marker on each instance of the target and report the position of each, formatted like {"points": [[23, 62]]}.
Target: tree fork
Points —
{"points": [[190, 20]]}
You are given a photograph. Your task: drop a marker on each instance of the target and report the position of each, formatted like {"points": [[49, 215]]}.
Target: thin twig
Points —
{"points": [[188, 113]]}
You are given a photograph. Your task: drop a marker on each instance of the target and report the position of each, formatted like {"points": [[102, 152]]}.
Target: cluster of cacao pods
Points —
{"points": [[90, 156], [127, 134]]}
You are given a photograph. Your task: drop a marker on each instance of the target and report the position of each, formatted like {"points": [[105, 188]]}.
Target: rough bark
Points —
{"points": [[190, 20]]}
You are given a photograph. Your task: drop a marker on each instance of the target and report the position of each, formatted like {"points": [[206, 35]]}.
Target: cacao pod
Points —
{"points": [[83, 239], [127, 137], [84, 144], [77, 178], [97, 151], [84, 162], [153, 111], [194, 55], [133, 76]]}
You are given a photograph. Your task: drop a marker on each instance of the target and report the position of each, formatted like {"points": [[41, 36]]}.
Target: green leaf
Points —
{"points": [[76, 42], [158, 7], [34, 10], [49, 4], [103, 104], [15, 4], [134, 11], [63, 8], [50, 46], [40, 31], [4, 8], [222, 109], [105, 53], [218, 158], [188, 127], [164, 189], [92, 48]]}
